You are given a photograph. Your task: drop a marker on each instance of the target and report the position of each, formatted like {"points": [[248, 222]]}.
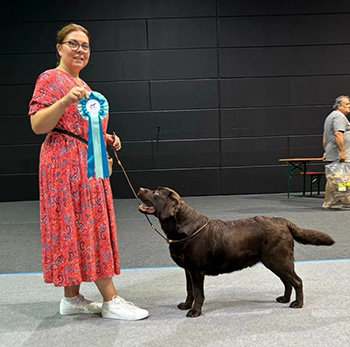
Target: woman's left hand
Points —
{"points": [[114, 141]]}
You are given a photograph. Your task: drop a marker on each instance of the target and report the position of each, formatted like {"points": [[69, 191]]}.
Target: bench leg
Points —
{"points": [[315, 178], [311, 181]]}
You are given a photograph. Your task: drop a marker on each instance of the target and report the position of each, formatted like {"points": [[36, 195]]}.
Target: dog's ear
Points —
{"points": [[173, 195], [171, 204]]}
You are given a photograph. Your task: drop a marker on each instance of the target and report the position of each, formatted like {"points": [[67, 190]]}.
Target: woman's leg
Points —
{"points": [[74, 303], [114, 306], [72, 291], [106, 288]]}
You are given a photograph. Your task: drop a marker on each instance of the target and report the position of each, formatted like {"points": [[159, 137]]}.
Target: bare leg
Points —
{"points": [[72, 291], [118, 308], [106, 288], [73, 303]]}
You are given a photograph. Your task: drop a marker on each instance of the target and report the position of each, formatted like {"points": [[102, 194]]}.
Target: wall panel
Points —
{"points": [[281, 8], [15, 10], [284, 61], [16, 187], [19, 159], [306, 146], [182, 33], [166, 125], [184, 95], [149, 65], [16, 99], [250, 180], [24, 69], [284, 30], [179, 154], [206, 95], [124, 96], [318, 90], [186, 154], [185, 181], [276, 121], [258, 92], [122, 35], [253, 151], [16, 130]]}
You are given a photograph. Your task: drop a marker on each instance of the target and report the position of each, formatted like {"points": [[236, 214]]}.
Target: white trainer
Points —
{"points": [[79, 305], [118, 308]]}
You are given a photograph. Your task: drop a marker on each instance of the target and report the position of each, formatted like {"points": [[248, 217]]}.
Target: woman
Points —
{"points": [[78, 226]]}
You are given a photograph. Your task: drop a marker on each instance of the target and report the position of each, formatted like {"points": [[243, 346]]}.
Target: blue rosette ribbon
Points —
{"points": [[94, 109]]}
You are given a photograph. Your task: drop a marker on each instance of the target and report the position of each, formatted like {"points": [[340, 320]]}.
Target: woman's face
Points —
{"points": [[74, 59]]}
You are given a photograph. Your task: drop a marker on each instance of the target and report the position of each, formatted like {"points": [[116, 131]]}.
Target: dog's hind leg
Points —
{"points": [[285, 271], [287, 293], [297, 283], [198, 292], [189, 299]]}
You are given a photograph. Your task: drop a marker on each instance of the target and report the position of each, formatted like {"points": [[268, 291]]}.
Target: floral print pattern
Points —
{"points": [[78, 225]]}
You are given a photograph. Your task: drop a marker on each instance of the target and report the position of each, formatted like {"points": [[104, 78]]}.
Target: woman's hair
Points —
{"points": [[61, 35]]}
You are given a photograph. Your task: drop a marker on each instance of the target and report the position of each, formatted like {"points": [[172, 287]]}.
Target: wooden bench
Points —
{"points": [[315, 177], [298, 165]]}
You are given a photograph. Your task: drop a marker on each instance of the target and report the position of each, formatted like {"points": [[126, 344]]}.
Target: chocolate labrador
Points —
{"points": [[204, 246]]}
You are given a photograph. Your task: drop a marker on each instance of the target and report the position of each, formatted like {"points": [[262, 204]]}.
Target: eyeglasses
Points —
{"points": [[74, 46]]}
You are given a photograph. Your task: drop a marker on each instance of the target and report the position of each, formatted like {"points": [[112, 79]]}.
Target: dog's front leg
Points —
{"points": [[189, 300], [198, 291]]}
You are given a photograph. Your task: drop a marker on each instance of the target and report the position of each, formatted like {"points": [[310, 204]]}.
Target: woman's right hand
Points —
{"points": [[74, 95]]}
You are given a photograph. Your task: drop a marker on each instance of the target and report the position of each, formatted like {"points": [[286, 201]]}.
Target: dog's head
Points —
{"points": [[162, 202]]}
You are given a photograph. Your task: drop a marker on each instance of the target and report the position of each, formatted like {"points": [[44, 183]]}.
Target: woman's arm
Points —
{"points": [[46, 119]]}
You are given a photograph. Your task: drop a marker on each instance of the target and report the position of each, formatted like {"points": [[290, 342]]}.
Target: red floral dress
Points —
{"points": [[78, 226]]}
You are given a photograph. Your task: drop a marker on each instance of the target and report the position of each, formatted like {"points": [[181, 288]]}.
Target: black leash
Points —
{"points": [[133, 191], [65, 132], [140, 203]]}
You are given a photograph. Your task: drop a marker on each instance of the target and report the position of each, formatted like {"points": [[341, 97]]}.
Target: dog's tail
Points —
{"points": [[308, 236]]}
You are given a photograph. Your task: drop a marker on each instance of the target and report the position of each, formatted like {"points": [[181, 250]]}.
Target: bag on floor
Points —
{"points": [[338, 180]]}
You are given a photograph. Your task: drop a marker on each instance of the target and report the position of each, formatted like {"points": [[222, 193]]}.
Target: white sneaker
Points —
{"points": [[79, 305], [118, 308]]}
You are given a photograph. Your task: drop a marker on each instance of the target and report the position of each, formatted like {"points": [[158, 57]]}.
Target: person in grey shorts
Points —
{"points": [[336, 136]]}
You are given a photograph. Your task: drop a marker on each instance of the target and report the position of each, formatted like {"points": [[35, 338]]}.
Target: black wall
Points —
{"points": [[206, 95]]}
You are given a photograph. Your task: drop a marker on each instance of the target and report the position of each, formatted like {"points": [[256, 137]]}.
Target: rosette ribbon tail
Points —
{"points": [[97, 156], [91, 158], [104, 154], [94, 109]]}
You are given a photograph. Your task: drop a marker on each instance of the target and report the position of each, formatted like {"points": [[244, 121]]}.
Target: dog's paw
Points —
{"points": [[184, 306], [296, 304], [282, 299], [193, 313]]}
